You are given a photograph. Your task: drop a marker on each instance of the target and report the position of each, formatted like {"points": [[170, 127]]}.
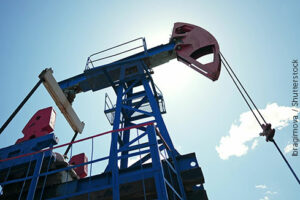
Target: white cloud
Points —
{"points": [[265, 198], [288, 148], [261, 186], [266, 193], [254, 144], [240, 135], [270, 192]]}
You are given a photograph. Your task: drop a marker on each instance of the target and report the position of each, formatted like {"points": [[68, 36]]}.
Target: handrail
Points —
{"points": [[90, 61], [77, 141]]}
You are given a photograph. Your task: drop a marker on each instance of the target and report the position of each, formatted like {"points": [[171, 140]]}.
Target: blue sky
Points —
{"points": [[259, 38]]}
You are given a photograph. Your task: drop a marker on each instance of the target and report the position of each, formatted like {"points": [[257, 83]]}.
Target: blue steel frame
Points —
{"points": [[129, 109], [124, 117], [28, 147], [153, 147]]}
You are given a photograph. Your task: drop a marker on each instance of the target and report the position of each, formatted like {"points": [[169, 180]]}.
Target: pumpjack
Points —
{"points": [[31, 169]]}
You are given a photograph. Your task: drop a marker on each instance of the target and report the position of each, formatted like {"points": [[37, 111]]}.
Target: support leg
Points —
{"points": [[113, 160], [160, 184], [164, 132], [35, 179]]}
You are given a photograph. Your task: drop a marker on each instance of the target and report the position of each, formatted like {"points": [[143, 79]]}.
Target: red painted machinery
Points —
{"points": [[81, 171], [175, 176], [193, 42], [40, 124]]}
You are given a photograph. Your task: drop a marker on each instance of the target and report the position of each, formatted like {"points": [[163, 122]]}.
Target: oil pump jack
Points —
{"points": [[31, 169]]}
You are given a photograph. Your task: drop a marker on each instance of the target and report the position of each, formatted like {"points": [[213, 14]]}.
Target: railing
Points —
{"points": [[38, 170], [91, 62]]}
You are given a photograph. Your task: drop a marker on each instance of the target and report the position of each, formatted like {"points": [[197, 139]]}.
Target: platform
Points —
{"points": [[99, 186]]}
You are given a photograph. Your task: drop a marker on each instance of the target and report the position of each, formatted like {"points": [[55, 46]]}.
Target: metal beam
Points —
{"points": [[61, 100]]}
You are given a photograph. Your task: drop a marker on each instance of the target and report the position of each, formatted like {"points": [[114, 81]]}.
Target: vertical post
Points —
{"points": [[113, 159], [145, 46], [160, 184], [91, 166], [164, 132], [35, 178], [126, 133]]}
